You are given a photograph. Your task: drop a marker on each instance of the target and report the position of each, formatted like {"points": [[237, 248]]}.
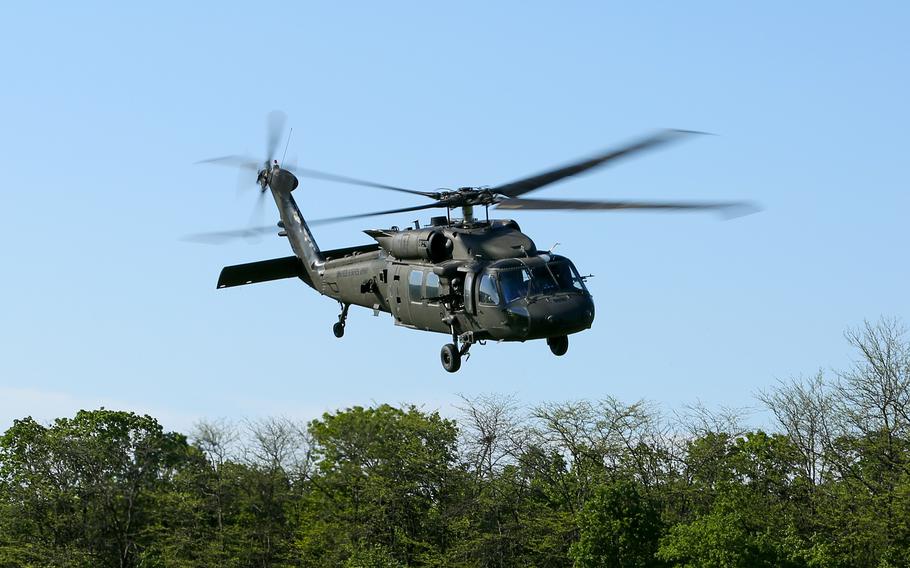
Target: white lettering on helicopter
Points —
{"points": [[350, 272]]}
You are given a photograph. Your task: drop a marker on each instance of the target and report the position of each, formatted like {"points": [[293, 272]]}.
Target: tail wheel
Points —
{"points": [[450, 357], [338, 329], [558, 345]]}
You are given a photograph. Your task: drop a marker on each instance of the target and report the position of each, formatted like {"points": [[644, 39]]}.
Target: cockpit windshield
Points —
{"points": [[558, 276]]}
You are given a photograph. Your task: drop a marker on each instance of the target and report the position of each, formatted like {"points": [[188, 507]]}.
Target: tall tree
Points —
{"points": [[383, 479]]}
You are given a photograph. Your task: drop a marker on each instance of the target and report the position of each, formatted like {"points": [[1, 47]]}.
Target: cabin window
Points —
{"points": [[486, 291], [432, 292], [415, 280]]}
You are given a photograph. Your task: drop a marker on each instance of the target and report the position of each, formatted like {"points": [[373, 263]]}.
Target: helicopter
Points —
{"points": [[472, 278]]}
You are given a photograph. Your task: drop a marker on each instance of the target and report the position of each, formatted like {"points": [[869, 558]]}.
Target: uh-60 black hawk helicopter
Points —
{"points": [[475, 279]]}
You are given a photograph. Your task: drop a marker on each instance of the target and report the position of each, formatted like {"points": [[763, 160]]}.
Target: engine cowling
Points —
{"points": [[419, 245]]}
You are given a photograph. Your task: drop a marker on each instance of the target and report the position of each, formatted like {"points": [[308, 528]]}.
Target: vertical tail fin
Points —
{"points": [[282, 183]]}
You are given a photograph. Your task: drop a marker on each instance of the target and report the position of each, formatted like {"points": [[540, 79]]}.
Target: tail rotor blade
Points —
{"points": [[234, 161], [258, 208], [275, 128]]}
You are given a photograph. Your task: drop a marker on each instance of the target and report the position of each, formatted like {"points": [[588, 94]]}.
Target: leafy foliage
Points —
{"points": [[589, 483]]}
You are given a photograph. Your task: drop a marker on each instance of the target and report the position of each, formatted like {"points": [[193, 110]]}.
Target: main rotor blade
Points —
{"points": [[244, 162], [304, 172], [375, 214], [274, 130], [248, 163], [728, 209], [220, 237], [532, 183]]}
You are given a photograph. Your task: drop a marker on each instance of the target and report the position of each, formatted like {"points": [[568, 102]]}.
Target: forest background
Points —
{"points": [[579, 483]]}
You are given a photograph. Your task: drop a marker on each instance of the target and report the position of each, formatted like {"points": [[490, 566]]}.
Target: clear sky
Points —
{"points": [[104, 108]]}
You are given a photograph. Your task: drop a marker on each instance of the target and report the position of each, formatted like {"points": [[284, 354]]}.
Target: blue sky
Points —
{"points": [[104, 109]]}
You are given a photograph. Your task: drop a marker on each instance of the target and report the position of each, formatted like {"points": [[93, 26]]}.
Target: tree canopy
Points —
{"points": [[580, 483]]}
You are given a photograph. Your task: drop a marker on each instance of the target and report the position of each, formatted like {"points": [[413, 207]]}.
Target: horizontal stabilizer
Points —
{"points": [[263, 271], [279, 268]]}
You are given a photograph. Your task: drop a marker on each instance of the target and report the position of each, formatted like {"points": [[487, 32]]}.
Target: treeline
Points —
{"points": [[565, 484]]}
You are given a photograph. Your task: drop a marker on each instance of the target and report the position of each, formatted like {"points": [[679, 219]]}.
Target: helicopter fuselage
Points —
{"points": [[484, 280]]}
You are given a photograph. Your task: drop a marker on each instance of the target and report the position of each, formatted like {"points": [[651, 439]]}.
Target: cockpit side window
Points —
{"points": [[566, 276], [486, 291]]}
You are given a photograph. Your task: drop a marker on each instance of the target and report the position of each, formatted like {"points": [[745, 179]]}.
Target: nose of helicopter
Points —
{"points": [[560, 315]]}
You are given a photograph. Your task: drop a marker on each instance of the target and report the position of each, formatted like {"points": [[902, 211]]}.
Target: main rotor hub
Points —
{"points": [[467, 196], [267, 174]]}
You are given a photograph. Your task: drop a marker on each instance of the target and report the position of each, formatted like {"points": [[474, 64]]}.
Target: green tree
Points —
{"points": [[758, 513], [719, 539], [82, 491], [619, 527], [384, 477]]}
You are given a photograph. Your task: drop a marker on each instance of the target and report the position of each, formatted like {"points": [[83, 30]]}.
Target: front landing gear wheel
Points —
{"points": [[338, 329], [558, 345], [450, 357]]}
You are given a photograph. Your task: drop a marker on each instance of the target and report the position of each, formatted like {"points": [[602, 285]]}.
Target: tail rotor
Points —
{"points": [[266, 167]]}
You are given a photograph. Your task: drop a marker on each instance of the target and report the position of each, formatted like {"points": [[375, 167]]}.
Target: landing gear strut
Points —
{"points": [[338, 328], [451, 354], [558, 345]]}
